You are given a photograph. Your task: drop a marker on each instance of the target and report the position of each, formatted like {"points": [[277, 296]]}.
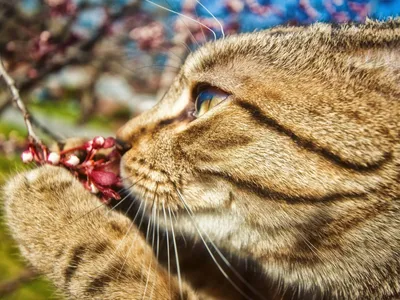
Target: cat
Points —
{"points": [[275, 156]]}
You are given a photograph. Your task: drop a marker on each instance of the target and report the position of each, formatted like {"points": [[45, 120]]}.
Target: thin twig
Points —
{"points": [[19, 104], [74, 59]]}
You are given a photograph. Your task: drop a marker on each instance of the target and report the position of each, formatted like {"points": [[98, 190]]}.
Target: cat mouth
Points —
{"points": [[148, 194], [149, 187]]}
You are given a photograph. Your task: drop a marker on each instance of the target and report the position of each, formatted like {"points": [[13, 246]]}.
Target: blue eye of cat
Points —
{"points": [[207, 99]]}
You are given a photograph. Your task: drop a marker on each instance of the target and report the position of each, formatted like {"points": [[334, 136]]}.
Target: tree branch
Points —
{"points": [[15, 97], [73, 59]]}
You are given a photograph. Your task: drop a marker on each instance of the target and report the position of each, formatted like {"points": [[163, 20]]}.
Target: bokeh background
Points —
{"points": [[84, 67]]}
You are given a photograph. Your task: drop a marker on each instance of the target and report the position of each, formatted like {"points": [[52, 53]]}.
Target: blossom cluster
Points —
{"points": [[95, 163]]}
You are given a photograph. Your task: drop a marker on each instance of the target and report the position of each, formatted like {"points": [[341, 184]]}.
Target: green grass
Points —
{"points": [[11, 264]]}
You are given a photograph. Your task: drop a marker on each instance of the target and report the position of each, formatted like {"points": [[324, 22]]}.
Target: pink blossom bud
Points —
{"points": [[73, 160], [109, 142], [27, 156], [93, 189], [89, 146], [98, 141], [53, 158]]}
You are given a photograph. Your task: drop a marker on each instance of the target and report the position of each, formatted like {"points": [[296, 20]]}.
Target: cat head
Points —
{"points": [[292, 134]]}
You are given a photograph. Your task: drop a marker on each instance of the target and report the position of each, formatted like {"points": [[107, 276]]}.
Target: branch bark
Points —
{"points": [[15, 97]]}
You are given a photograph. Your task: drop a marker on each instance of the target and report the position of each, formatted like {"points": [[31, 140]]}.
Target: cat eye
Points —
{"points": [[207, 99]]}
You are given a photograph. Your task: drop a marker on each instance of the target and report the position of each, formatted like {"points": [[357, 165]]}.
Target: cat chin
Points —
{"points": [[225, 230]]}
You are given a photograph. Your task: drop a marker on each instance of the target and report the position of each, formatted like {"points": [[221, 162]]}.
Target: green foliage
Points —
{"points": [[7, 128], [69, 111], [66, 109]]}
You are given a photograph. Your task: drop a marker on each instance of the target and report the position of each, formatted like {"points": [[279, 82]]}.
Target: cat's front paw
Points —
{"points": [[41, 193], [39, 204], [88, 251]]}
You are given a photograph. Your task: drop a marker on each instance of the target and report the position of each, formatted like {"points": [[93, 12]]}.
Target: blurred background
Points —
{"points": [[84, 67]]}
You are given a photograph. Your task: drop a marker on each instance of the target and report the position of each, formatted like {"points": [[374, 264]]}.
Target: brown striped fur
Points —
{"points": [[297, 173]]}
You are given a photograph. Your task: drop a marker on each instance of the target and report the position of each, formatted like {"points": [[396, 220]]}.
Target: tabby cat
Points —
{"points": [[270, 170]]}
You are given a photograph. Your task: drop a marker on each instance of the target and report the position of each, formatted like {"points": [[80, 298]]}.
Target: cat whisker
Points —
{"points": [[186, 46], [180, 230], [156, 220], [151, 208], [232, 269], [133, 240], [126, 234], [126, 197], [184, 16], [178, 60], [176, 255], [158, 232], [122, 240], [191, 34], [152, 245], [310, 246], [212, 15], [131, 223], [81, 216], [140, 225], [168, 253]]}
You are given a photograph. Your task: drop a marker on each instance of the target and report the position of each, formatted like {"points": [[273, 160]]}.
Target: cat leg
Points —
{"points": [[86, 250]]}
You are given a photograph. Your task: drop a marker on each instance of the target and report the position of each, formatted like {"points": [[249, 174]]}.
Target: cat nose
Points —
{"points": [[122, 146]]}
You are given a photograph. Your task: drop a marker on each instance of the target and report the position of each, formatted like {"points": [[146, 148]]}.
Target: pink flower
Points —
{"points": [[109, 142], [27, 156], [73, 160], [103, 178], [98, 142], [88, 146], [53, 158], [98, 173], [93, 189]]}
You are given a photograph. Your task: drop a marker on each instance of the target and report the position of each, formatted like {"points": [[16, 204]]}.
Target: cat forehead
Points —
{"points": [[281, 44], [224, 51]]}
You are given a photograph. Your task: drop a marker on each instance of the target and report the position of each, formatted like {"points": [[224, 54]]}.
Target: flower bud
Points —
{"points": [[73, 160], [93, 189], [88, 146], [98, 142], [53, 158], [27, 156], [109, 142]]}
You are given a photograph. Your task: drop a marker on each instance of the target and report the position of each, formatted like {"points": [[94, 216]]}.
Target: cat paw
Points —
{"points": [[42, 198], [67, 234], [45, 183]]}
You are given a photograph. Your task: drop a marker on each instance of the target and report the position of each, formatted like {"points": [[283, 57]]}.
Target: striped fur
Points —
{"points": [[296, 173]]}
